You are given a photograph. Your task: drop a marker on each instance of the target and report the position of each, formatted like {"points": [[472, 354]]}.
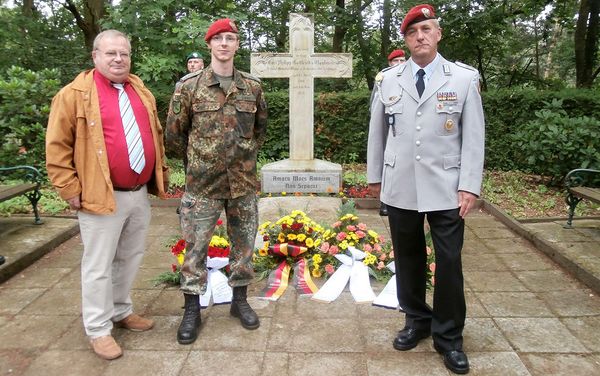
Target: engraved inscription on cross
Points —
{"points": [[301, 65]]}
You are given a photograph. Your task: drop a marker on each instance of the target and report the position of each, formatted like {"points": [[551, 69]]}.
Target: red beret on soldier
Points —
{"points": [[394, 54], [224, 25], [417, 14]]}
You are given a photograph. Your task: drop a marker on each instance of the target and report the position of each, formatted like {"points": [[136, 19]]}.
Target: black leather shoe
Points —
{"points": [[241, 309], [409, 338], [190, 323], [383, 210], [455, 360], [2, 259]]}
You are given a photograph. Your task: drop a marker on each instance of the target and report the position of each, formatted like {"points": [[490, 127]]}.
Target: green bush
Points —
{"points": [[25, 98], [507, 110], [554, 143]]}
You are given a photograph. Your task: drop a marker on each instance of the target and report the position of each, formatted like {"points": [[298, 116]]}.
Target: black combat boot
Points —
{"points": [[190, 323], [240, 308]]}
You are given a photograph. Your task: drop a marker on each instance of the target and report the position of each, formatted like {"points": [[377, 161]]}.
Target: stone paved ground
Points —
{"points": [[526, 316]]}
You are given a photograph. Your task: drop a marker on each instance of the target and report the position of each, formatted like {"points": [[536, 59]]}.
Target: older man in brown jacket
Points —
{"points": [[104, 153]]}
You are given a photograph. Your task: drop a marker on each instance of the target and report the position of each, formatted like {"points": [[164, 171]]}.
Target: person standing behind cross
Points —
{"points": [[396, 57], [194, 62], [104, 154], [425, 159], [218, 120]]}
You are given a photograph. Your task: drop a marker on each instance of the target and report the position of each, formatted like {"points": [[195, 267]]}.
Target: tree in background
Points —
{"points": [[586, 42]]}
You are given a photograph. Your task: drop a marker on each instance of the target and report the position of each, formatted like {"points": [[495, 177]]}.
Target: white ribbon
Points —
{"points": [[388, 297], [353, 270], [217, 284]]}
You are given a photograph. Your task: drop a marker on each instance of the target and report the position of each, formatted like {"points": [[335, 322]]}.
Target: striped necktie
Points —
{"points": [[135, 148]]}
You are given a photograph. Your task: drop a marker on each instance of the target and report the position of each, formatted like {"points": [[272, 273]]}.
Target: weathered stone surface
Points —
{"points": [[321, 209], [525, 316], [544, 335]]}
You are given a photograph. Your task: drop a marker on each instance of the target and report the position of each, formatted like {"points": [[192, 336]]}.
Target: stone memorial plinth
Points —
{"points": [[301, 172]]}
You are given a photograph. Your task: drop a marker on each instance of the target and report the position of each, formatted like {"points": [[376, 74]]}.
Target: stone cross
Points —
{"points": [[301, 65]]}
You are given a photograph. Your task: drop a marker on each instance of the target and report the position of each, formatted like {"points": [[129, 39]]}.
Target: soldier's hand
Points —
{"points": [[375, 189], [466, 202]]}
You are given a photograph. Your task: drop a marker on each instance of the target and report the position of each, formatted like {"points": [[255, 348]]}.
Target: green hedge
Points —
{"points": [[527, 129], [342, 122]]}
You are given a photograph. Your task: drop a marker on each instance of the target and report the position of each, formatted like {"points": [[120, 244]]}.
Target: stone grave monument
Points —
{"points": [[301, 172]]}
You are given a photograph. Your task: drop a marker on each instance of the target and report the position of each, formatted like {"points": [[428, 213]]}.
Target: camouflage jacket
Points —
{"points": [[219, 133]]}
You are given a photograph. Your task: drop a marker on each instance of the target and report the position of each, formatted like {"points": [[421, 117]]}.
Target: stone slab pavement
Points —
{"points": [[526, 315]]}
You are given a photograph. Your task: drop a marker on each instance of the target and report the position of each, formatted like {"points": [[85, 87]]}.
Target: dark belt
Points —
{"points": [[131, 189]]}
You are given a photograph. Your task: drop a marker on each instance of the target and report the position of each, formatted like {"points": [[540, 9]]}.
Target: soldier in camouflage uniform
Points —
{"points": [[217, 118]]}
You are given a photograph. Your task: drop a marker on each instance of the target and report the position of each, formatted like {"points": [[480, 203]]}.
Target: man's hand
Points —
{"points": [[466, 202], [375, 190], [74, 203]]}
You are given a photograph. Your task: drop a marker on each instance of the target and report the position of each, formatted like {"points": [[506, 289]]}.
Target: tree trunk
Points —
{"points": [[28, 8], [586, 42], [363, 44], [386, 28], [340, 26], [88, 20]]}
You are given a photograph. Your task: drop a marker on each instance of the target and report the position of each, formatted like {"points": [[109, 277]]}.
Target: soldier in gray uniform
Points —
{"points": [[425, 159], [218, 118]]}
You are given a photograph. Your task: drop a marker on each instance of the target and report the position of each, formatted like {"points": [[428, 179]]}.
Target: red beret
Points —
{"points": [[417, 14], [224, 25], [394, 54]]}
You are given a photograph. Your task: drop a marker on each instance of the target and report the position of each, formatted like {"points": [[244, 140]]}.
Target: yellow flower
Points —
{"points": [[311, 243], [317, 258], [262, 252], [283, 193], [344, 245], [281, 237], [316, 272], [301, 237], [298, 212], [180, 258], [291, 236], [373, 234], [370, 259]]}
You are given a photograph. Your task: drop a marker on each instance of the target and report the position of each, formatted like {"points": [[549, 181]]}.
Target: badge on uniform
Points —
{"points": [[391, 121], [176, 104], [449, 125], [379, 77], [447, 96]]}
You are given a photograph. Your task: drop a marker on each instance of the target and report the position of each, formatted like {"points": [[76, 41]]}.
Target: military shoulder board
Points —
{"points": [[463, 65], [249, 76], [190, 75]]}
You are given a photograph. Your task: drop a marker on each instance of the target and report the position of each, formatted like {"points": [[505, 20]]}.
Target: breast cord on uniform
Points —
{"points": [[392, 102]]}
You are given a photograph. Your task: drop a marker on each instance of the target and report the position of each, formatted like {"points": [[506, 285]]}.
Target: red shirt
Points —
{"points": [[121, 173]]}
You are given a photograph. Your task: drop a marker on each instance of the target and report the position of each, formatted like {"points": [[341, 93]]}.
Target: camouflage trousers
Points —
{"points": [[198, 216]]}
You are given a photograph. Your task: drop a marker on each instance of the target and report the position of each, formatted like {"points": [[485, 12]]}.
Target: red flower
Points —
{"points": [[265, 238], [284, 226], [178, 248], [174, 267], [219, 222], [297, 226]]}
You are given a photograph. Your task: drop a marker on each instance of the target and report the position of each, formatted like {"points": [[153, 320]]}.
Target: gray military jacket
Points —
{"points": [[435, 146]]}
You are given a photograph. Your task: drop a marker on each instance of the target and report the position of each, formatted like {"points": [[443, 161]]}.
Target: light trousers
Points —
{"points": [[113, 247]]}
